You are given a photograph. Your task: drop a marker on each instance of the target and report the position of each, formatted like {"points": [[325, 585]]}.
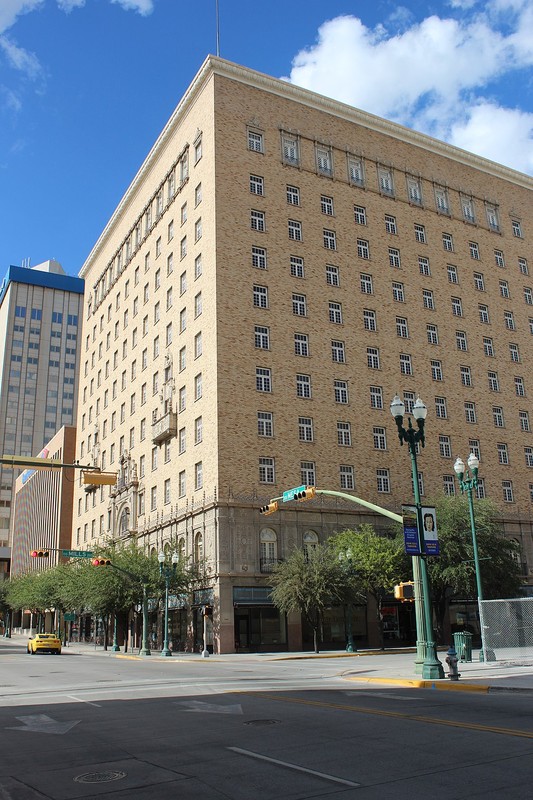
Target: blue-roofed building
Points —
{"points": [[40, 340]]}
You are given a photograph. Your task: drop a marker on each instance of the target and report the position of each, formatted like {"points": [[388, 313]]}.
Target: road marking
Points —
{"points": [[378, 695], [294, 766], [396, 714], [80, 700], [210, 708], [41, 723]]}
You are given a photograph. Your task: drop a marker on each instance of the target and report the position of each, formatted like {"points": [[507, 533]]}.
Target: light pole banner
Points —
{"points": [[410, 531], [431, 539]]}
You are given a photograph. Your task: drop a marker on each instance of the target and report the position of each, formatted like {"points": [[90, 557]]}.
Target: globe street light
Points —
{"points": [[167, 572], [467, 485], [431, 666]]}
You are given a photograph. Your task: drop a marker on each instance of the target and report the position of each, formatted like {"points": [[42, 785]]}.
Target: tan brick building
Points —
{"points": [[281, 266]]}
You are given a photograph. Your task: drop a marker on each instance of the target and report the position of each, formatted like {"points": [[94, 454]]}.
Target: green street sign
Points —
{"points": [[289, 494], [70, 616], [77, 553]]}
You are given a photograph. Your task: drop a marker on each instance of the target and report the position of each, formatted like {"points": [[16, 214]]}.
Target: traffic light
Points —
{"points": [[405, 591], [40, 553], [101, 562], [306, 494], [271, 508]]}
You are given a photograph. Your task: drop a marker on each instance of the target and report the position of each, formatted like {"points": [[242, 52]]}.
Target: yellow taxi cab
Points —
{"points": [[44, 643]]}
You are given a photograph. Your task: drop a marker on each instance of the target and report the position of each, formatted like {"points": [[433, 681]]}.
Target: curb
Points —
{"points": [[414, 683]]}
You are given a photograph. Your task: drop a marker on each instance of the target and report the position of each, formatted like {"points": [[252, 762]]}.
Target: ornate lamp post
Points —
{"points": [[467, 485], [168, 571], [431, 666]]}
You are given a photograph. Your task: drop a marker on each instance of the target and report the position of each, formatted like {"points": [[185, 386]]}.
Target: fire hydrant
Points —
{"points": [[451, 660]]}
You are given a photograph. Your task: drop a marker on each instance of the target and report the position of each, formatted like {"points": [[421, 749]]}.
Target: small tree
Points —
{"points": [[377, 563], [307, 582]]}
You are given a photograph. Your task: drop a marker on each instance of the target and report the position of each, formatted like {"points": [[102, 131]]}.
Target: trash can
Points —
{"points": [[463, 645]]}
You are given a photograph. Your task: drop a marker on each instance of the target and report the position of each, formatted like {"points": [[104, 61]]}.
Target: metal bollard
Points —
{"points": [[451, 660]]}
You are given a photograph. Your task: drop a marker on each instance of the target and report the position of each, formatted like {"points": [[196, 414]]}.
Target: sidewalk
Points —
{"points": [[387, 667]]}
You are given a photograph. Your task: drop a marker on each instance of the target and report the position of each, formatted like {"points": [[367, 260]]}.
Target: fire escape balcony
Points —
{"points": [[165, 428]]}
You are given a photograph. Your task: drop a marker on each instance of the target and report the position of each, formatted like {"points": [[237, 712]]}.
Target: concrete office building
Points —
{"points": [[40, 318], [279, 268]]}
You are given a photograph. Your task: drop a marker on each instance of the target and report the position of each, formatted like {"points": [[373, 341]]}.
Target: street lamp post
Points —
{"points": [[167, 572], [346, 559], [467, 485], [426, 650]]}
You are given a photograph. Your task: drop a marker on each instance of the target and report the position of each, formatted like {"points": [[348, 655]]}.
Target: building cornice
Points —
{"points": [[227, 69]]}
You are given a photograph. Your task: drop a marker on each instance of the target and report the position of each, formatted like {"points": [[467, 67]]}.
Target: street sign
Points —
{"points": [[77, 553], [69, 616], [290, 493]]}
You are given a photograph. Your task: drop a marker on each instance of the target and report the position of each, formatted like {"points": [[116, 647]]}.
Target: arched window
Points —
{"points": [[198, 547], [181, 548], [153, 552], [310, 542], [124, 524], [269, 550]]}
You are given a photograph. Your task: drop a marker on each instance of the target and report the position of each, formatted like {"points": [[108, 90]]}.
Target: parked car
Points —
{"points": [[44, 643]]}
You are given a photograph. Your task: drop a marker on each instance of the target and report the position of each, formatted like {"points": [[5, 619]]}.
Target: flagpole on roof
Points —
{"points": [[218, 27]]}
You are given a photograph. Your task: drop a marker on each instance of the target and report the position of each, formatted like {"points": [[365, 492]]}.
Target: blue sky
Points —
{"points": [[75, 75]]}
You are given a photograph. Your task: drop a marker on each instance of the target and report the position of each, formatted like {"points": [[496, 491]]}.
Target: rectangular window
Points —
{"points": [[344, 434], [432, 334], [494, 384], [262, 337], [509, 320], [452, 273], [365, 282], [423, 266], [290, 149], [461, 340], [355, 171], [255, 141], [383, 481], [295, 230], [303, 386], [427, 298], [517, 229], [297, 267], [340, 389], [441, 411], [522, 266], [436, 370], [305, 429], [507, 489], [332, 275], [497, 416], [394, 258], [386, 185], [324, 163], [335, 313], [265, 423], [528, 453], [338, 352], [474, 250], [406, 367], [329, 239], [390, 224], [380, 440], [503, 453], [299, 305], [470, 412], [528, 296], [376, 397], [260, 296], [257, 221], [467, 206], [369, 320], [414, 191], [441, 200], [483, 313], [263, 379], [519, 387], [198, 475], [488, 346], [359, 215], [266, 470], [448, 485], [259, 258], [346, 477], [447, 242], [372, 357], [293, 196], [445, 446], [198, 386], [523, 418], [402, 329], [466, 376], [499, 259], [363, 249], [420, 233], [326, 205], [257, 184], [301, 344], [514, 352]]}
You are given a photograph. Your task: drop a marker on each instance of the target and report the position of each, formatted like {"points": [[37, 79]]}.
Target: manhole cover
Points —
{"points": [[99, 777], [263, 722]]}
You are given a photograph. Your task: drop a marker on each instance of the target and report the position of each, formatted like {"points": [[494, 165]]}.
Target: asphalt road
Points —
{"points": [[85, 726]]}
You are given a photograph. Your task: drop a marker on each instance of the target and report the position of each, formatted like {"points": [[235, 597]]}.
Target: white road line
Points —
{"points": [[294, 766], [79, 700]]}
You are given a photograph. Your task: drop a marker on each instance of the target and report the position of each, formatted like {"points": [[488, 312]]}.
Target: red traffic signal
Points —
{"points": [[40, 553], [101, 562]]}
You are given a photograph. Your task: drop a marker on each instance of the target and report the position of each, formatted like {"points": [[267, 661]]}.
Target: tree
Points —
{"points": [[376, 563], [453, 571], [307, 582]]}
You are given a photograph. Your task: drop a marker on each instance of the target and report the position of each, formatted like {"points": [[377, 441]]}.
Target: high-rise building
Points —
{"points": [[279, 268], [40, 320]]}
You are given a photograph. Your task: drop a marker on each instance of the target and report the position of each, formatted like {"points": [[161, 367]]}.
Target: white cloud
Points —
{"points": [[11, 9], [68, 5], [431, 76], [20, 59], [144, 7], [501, 134]]}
